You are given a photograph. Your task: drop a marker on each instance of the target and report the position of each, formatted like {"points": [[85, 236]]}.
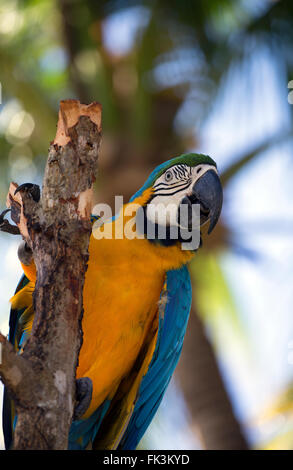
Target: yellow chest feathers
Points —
{"points": [[122, 288]]}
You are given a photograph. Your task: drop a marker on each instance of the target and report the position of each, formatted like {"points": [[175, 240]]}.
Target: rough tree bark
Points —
{"points": [[212, 416], [57, 229]]}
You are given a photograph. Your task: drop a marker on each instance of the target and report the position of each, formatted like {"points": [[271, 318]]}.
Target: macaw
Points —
{"points": [[137, 299]]}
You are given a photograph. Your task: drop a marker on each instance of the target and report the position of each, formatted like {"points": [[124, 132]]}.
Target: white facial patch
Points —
{"points": [[169, 190]]}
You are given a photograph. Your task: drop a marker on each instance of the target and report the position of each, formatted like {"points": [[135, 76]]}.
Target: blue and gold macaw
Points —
{"points": [[137, 298]]}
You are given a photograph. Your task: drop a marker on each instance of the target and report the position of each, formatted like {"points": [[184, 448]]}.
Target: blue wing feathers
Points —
{"points": [[84, 430], [169, 344], [7, 415], [172, 327]]}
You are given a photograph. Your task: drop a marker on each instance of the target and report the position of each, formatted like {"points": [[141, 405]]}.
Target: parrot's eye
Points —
{"points": [[168, 176]]}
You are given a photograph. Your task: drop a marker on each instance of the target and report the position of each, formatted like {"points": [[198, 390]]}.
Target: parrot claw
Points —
{"points": [[2, 215], [84, 390], [5, 226], [32, 189], [25, 254]]}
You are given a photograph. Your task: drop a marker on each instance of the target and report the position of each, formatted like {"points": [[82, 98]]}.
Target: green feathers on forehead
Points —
{"points": [[190, 159]]}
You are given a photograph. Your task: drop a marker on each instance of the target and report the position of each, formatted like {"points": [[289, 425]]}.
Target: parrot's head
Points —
{"points": [[185, 182]]}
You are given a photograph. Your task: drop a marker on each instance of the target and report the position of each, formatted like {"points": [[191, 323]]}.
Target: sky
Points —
{"points": [[258, 206]]}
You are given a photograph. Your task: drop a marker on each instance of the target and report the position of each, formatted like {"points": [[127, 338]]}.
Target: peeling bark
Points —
{"points": [[57, 229]]}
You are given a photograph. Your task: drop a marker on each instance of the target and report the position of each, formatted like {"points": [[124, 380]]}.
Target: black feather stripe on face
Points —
{"points": [[167, 186], [170, 191], [182, 175], [182, 170]]}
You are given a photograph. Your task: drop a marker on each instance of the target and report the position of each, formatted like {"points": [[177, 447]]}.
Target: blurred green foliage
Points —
{"points": [[155, 93]]}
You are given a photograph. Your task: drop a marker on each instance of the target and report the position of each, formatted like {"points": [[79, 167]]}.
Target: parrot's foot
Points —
{"points": [[25, 254], [32, 189], [5, 226], [84, 390]]}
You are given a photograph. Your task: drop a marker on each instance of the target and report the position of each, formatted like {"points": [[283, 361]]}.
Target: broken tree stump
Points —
{"points": [[57, 229]]}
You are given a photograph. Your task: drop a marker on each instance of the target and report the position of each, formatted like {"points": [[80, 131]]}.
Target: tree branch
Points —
{"points": [[57, 229]]}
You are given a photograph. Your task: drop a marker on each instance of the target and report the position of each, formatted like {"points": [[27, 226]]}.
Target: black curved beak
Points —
{"points": [[207, 191]]}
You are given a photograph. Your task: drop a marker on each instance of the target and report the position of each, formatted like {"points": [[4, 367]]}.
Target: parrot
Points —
{"points": [[136, 302]]}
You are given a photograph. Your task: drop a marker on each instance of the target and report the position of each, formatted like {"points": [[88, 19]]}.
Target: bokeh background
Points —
{"points": [[176, 76]]}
